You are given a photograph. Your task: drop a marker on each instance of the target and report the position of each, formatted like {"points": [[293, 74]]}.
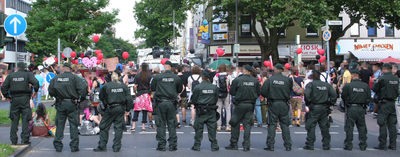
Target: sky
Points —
{"points": [[127, 25]]}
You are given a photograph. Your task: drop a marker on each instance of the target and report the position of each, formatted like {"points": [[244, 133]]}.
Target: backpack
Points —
{"points": [[222, 86], [195, 82]]}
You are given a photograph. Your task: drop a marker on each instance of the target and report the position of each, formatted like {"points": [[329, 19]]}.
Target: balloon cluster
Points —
{"points": [[320, 56]]}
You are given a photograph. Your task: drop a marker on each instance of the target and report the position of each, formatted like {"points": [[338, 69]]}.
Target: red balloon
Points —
{"points": [[56, 60], [99, 56], [62, 55], [299, 50], [98, 61], [73, 54], [82, 55], [130, 64], [287, 66], [123, 66], [321, 51], [164, 60], [96, 38], [97, 52], [220, 52], [125, 55], [322, 59], [267, 63]]}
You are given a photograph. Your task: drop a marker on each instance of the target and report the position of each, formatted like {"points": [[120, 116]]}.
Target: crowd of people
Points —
{"points": [[145, 93]]}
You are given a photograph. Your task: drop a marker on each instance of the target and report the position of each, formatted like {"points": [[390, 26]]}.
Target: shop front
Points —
{"points": [[369, 49]]}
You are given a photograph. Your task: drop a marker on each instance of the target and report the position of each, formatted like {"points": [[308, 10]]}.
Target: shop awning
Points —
{"points": [[375, 56]]}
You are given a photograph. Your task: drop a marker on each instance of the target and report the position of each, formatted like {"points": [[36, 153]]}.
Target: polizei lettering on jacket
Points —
{"points": [[358, 90], [167, 80], [278, 82], [248, 84], [393, 82], [118, 90], [63, 79], [19, 79], [322, 88], [207, 91]]}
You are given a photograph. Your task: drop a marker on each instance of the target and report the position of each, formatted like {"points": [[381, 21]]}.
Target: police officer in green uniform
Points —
{"points": [[205, 97], [277, 91], [68, 89], [245, 89], [319, 96], [117, 100], [386, 88], [16, 88], [356, 96], [166, 86]]}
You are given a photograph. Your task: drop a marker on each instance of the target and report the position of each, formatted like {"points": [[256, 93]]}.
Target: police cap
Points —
{"points": [[387, 65], [279, 66], [248, 68], [67, 65]]}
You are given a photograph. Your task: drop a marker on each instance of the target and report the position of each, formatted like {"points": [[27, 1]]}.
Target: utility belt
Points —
{"points": [[113, 105], [386, 100], [74, 101], [160, 100], [203, 109]]}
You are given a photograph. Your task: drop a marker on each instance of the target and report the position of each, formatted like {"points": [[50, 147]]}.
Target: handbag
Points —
{"points": [[40, 131], [51, 130], [296, 88]]}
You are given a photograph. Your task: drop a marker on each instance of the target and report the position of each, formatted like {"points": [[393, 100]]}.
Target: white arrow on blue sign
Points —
{"points": [[15, 25], [50, 76]]}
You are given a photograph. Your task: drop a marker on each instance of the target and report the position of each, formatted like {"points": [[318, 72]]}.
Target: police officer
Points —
{"points": [[319, 96], [205, 97], [167, 86], [245, 89], [386, 88], [68, 89], [356, 96], [16, 88], [117, 101], [277, 90]]}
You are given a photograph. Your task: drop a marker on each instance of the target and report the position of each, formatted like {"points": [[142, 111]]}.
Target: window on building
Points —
{"points": [[10, 46], [245, 26], [372, 31], [355, 30], [389, 30], [312, 31], [19, 5]]}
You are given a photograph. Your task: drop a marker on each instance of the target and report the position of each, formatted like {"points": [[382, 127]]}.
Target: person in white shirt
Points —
{"points": [[195, 77], [224, 98]]}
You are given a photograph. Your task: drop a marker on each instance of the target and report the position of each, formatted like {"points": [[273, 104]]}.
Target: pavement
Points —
{"points": [[143, 143]]}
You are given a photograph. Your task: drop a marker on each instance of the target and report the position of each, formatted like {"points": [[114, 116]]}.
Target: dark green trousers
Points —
{"points": [[20, 108], [112, 115], [243, 113], [387, 123], [66, 109], [278, 111], [166, 116], [210, 119], [355, 115], [318, 114]]}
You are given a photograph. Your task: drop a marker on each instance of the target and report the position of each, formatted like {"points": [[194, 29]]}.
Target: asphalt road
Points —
{"points": [[143, 144]]}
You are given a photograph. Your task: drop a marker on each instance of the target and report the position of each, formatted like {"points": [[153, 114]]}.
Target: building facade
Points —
{"points": [[15, 52]]}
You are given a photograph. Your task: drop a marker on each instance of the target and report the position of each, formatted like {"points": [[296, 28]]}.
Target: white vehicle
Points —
{"points": [[145, 56]]}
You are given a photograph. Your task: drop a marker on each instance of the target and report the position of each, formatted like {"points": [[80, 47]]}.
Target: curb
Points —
{"points": [[24, 150]]}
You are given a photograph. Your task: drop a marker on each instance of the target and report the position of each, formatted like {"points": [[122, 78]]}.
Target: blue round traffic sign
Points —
{"points": [[50, 76], [15, 25]]}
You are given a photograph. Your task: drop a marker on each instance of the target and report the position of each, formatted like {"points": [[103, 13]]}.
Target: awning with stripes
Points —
{"points": [[375, 56]]}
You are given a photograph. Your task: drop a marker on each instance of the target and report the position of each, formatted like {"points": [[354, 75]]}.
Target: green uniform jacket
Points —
{"points": [[167, 86], [245, 88], [17, 83], [356, 92], [116, 93], [387, 87], [67, 86], [318, 92], [205, 94], [277, 87]]}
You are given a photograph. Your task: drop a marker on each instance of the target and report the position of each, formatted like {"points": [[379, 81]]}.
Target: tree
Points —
{"points": [[113, 47], [156, 19], [72, 21], [374, 12], [274, 17]]}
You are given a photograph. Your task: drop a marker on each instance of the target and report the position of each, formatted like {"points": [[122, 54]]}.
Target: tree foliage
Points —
{"points": [[156, 20], [113, 47], [72, 21]]}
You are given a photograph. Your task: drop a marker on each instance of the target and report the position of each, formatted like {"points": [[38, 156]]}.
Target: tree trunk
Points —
{"points": [[273, 44]]}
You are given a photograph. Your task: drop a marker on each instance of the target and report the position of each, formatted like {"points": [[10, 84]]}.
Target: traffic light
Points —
{"points": [[3, 34]]}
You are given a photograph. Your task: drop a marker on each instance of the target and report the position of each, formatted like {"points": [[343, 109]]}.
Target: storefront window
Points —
{"points": [[372, 31]]}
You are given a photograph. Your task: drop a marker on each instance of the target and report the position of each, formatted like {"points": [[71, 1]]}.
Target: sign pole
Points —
{"points": [[327, 52], [58, 50], [16, 49]]}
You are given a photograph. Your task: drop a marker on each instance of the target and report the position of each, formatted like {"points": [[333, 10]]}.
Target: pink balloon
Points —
{"points": [[96, 38], [299, 50], [86, 61], [321, 51], [322, 59]]}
